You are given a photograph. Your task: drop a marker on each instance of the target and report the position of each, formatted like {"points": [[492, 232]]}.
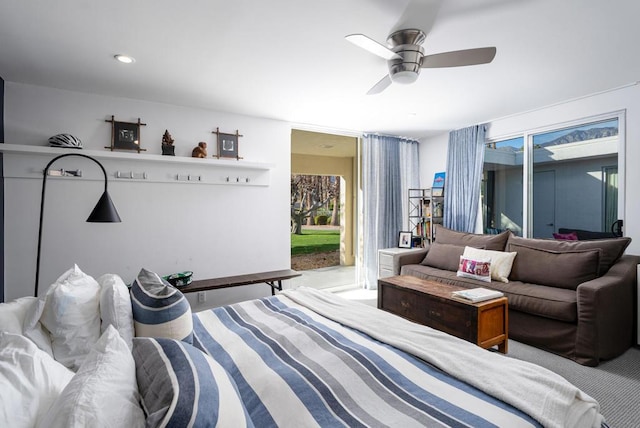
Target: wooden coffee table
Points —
{"points": [[430, 303]]}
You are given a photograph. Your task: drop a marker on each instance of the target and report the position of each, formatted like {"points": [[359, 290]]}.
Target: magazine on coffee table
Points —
{"points": [[477, 294]]}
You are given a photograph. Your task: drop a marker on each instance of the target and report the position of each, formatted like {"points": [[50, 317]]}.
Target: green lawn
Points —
{"points": [[315, 241]]}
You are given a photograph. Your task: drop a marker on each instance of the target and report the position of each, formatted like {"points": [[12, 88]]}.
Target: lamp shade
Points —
{"points": [[104, 211]]}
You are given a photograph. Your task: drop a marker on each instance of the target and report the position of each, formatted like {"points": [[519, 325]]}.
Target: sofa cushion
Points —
{"points": [[440, 275], [611, 249], [539, 300], [443, 256], [563, 269], [489, 242]]}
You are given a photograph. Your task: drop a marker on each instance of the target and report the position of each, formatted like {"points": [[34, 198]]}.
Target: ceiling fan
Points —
{"points": [[405, 56]]}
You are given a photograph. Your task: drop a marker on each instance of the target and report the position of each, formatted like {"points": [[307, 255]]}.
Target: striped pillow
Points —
{"points": [[182, 386], [160, 309]]}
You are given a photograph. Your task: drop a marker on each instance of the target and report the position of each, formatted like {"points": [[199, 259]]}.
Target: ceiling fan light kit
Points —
{"points": [[405, 56]]}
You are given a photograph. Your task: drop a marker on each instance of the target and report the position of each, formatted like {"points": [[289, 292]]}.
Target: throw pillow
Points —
{"points": [[611, 249], [115, 306], [33, 328], [13, 314], [566, 236], [566, 269], [180, 384], [475, 269], [30, 381], [490, 242], [103, 392], [443, 256], [501, 262], [160, 309], [71, 314]]}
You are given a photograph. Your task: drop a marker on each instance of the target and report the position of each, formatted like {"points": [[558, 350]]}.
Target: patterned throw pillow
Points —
{"points": [[474, 269], [566, 236], [160, 309], [182, 386], [501, 261]]}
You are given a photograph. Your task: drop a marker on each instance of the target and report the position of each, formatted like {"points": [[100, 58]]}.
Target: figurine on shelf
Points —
{"points": [[168, 148], [200, 151]]}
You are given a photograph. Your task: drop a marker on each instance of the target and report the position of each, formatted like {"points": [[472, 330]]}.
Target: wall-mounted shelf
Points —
{"points": [[146, 168], [107, 154]]}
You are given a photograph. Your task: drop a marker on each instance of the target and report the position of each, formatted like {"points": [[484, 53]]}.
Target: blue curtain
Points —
{"points": [[390, 167], [465, 158]]}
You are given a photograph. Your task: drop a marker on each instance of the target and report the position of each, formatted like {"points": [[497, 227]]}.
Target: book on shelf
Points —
{"points": [[477, 294]]}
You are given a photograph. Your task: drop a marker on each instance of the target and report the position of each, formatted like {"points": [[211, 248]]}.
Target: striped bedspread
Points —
{"points": [[296, 368]]}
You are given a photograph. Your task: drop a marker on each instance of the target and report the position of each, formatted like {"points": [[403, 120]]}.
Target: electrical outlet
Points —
{"points": [[202, 297]]}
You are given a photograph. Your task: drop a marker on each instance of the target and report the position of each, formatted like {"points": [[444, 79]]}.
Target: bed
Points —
{"points": [[301, 358]]}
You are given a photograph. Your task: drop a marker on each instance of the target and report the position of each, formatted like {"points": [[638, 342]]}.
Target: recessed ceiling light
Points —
{"points": [[124, 59]]}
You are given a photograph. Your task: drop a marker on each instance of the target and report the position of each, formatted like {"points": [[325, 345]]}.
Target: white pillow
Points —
{"points": [[30, 381], [33, 328], [115, 307], [72, 316], [501, 261], [103, 393], [12, 314]]}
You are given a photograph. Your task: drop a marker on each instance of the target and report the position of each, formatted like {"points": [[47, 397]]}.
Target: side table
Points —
{"points": [[388, 260]]}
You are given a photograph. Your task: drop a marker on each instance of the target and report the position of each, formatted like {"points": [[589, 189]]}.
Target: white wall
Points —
{"points": [[433, 158], [213, 230], [433, 150]]}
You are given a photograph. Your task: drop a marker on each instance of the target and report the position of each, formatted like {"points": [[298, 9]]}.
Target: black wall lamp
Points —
{"points": [[104, 211]]}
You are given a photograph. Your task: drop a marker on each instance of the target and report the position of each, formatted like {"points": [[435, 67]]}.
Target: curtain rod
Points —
{"points": [[377, 134]]}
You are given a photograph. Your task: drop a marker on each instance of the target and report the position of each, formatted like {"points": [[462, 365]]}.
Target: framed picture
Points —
{"points": [[125, 135], [438, 180], [227, 144], [404, 240], [437, 191]]}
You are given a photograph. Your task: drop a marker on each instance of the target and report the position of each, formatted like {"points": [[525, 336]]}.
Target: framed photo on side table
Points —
{"points": [[404, 240]]}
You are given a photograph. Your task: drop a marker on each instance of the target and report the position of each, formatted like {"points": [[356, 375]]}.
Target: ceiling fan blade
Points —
{"points": [[372, 46], [459, 58], [380, 86]]}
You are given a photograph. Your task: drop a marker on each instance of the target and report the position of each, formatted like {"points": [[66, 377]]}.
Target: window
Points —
{"points": [[502, 186], [540, 182]]}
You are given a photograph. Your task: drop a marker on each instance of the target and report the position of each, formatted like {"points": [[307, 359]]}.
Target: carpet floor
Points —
{"points": [[615, 384]]}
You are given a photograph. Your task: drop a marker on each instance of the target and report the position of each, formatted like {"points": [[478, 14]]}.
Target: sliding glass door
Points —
{"points": [[565, 177]]}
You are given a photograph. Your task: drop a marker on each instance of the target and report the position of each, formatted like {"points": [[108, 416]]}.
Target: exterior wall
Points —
{"points": [[213, 230], [344, 167], [433, 149]]}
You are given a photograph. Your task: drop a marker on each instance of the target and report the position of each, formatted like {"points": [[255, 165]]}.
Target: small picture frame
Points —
{"points": [[404, 240], [437, 191], [125, 135], [227, 144]]}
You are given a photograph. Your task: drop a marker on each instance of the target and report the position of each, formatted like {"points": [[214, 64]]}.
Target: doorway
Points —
{"points": [[324, 154]]}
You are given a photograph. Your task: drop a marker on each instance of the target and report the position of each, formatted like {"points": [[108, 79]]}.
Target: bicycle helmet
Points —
{"points": [[66, 141]]}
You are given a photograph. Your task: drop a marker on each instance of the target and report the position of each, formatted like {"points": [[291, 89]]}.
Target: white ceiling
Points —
{"points": [[288, 59]]}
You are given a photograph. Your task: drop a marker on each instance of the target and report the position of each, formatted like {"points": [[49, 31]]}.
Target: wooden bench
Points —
{"points": [[273, 279]]}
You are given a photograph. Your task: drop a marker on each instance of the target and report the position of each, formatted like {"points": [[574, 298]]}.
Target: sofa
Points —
{"points": [[573, 298]]}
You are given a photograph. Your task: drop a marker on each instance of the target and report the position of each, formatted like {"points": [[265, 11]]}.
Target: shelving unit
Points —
{"points": [[425, 211], [136, 167]]}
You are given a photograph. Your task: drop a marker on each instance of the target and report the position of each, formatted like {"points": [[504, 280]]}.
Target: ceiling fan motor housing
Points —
{"points": [[406, 43]]}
